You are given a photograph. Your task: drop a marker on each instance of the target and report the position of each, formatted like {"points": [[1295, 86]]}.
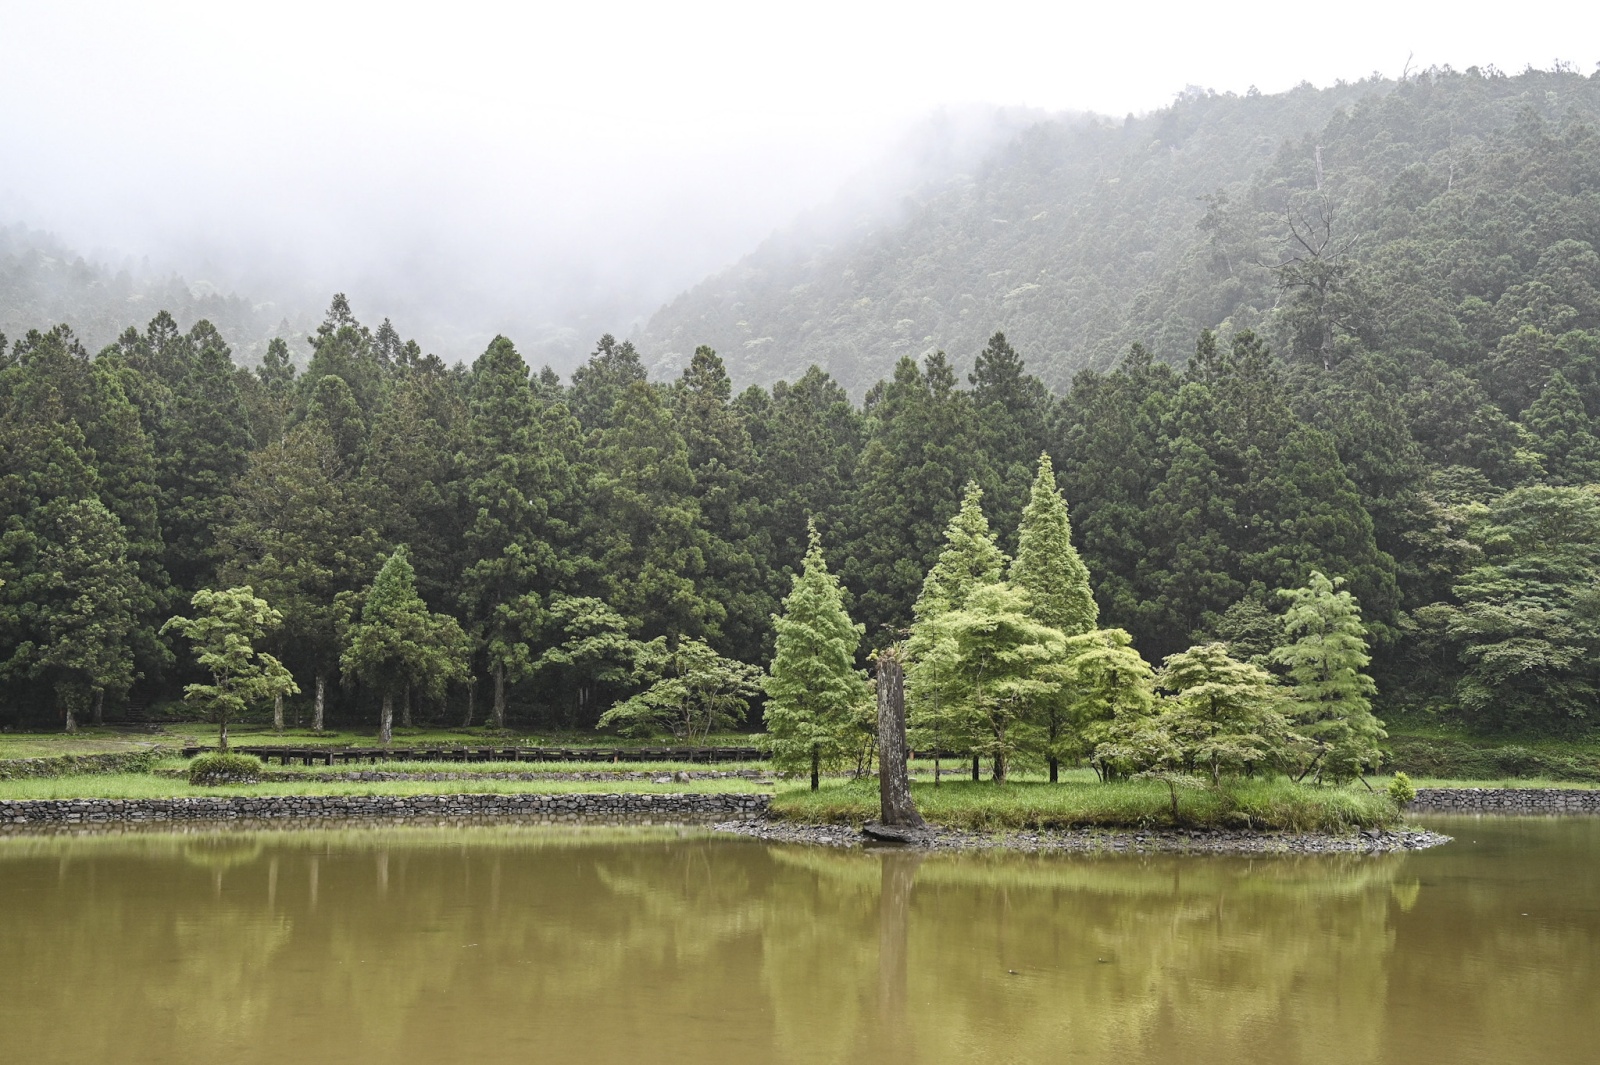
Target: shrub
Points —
{"points": [[212, 769], [1401, 791]]}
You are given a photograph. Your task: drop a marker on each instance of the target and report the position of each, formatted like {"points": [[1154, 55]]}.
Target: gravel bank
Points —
{"points": [[1101, 841]]}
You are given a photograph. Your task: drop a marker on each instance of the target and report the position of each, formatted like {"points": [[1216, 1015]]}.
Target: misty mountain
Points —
{"points": [[44, 283], [1081, 237]]}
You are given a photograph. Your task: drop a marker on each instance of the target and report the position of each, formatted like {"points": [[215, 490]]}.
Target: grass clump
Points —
{"points": [[1261, 805], [211, 770]]}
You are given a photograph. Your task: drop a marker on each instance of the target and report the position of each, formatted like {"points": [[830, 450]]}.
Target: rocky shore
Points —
{"points": [[1098, 841]]}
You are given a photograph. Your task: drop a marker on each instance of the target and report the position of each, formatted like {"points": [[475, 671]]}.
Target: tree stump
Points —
{"points": [[894, 782]]}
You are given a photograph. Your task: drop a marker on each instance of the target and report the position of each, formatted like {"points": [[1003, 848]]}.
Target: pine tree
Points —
{"points": [[1012, 409], [969, 559], [921, 450], [807, 469], [509, 485], [813, 686], [1047, 566], [397, 646], [601, 383], [1564, 434], [1332, 695]]}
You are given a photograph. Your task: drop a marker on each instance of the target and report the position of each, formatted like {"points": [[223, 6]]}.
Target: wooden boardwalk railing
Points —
{"points": [[346, 755]]}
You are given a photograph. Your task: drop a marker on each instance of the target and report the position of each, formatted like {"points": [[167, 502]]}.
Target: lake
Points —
{"points": [[519, 944]]}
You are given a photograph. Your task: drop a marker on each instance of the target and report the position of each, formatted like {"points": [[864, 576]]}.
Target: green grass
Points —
{"points": [[1247, 804], [112, 739], [467, 769], [146, 786]]}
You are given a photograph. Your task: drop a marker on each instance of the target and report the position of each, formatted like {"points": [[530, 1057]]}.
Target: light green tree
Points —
{"points": [[692, 691], [1047, 566], [998, 667], [969, 559], [1225, 714], [396, 645], [813, 686], [1332, 695], [223, 632], [1106, 687]]}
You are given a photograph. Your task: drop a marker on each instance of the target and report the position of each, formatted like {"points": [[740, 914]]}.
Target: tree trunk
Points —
{"points": [[99, 706], [975, 777], [999, 774], [472, 700], [322, 687], [405, 709], [72, 719], [222, 735], [499, 696], [277, 712], [894, 783], [816, 766], [386, 727], [1055, 769]]}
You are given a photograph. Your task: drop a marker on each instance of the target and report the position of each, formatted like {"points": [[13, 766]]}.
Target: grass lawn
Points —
{"points": [[146, 786], [112, 739], [1257, 804]]}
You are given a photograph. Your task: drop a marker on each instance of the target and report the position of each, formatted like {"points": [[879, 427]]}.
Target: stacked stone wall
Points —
{"points": [[1508, 800]]}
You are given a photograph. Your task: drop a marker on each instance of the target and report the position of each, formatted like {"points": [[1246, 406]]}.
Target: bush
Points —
{"points": [[212, 769], [1401, 791]]}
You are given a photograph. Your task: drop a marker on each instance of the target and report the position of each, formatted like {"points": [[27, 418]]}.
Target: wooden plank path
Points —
{"points": [[346, 755]]}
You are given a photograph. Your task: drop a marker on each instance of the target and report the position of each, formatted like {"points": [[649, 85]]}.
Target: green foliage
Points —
{"points": [[396, 645], [1332, 702], [813, 687], [691, 691], [224, 767], [1047, 566], [1225, 714], [1401, 791], [223, 633]]}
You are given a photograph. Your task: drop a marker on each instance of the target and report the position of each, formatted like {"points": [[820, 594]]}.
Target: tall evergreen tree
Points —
{"points": [[813, 686], [1047, 566], [396, 646], [1012, 409], [602, 382], [1332, 693]]}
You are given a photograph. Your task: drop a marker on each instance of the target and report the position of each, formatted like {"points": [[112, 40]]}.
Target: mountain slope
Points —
{"points": [[1078, 239]]}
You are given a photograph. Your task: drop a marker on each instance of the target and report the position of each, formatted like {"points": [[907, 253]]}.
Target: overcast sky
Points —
{"points": [[520, 160]]}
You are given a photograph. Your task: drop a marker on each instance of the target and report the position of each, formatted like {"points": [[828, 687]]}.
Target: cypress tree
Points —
{"points": [[1332, 694], [813, 687], [1047, 566]]}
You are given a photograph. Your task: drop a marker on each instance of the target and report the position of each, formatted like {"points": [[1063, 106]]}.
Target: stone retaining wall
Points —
{"points": [[67, 765], [1509, 800], [577, 807]]}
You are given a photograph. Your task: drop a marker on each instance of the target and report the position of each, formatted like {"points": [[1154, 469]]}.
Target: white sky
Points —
{"points": [[522, 151]]}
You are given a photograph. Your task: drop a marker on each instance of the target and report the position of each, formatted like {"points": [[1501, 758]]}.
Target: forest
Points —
{"points": [[568, 546], [1409, 411]]}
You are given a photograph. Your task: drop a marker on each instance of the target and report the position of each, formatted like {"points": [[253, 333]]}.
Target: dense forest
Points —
{"points": [[1080, 238], [1415, 416]]}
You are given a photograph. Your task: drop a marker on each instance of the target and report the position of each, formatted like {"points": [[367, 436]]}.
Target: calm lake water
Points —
{"points": [[507, 944]]}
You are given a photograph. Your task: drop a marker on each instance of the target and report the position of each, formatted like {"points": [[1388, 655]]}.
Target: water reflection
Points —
{"points": [[515, 944]]}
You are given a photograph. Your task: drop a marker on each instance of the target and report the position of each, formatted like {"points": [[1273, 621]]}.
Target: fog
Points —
{"points": [[559, 171]]}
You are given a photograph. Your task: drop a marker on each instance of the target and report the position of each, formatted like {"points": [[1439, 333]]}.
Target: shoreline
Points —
{"points": [[936, 838]]}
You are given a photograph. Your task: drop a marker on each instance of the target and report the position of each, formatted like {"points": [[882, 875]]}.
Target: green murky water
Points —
{"points": [[523, 945]]}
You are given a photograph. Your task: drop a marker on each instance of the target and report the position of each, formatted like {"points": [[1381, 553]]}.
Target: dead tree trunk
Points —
{"points": [[894, 783]]}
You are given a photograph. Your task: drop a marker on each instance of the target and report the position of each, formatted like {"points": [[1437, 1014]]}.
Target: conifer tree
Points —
{"points": [[397, 646], [1564, 434], [1332, 693], [1047, 566], [813, 686], [969, 559]]}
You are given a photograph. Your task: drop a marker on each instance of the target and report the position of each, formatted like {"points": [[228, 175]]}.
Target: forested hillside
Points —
{"points": [[42, 280], [1414, 415], [1397, 208]]}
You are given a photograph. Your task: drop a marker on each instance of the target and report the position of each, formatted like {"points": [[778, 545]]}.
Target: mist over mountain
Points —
{"points": [[1079, 237]]}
